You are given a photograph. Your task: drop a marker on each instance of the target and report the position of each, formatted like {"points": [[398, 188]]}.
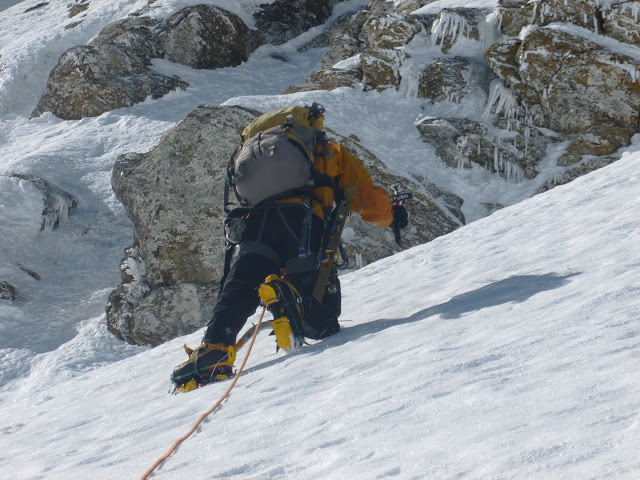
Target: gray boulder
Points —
{"points": [[204, 37], [89, 81], [135, 35], [280, 21]]}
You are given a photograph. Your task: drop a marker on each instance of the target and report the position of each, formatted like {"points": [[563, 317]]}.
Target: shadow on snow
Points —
{"points": [[515, 289]]}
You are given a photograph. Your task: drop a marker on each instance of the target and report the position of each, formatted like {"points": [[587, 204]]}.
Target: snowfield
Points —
{"points": [[509, 349]]}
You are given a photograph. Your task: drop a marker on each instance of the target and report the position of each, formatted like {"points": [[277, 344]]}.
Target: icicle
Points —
{"points": [[409, 80], [56, 212], [449, 25], [503, 99]]}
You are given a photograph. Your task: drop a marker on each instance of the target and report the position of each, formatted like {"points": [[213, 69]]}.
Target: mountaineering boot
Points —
{"points": [[321, 319], [284, 303], [323, 328], [206, 364]]}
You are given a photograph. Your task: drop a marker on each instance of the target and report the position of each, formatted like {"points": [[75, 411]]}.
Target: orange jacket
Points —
{"points": [[371, 202]]}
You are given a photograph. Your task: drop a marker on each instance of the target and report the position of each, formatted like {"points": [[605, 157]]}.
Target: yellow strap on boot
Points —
{"points": [[283, 332]]}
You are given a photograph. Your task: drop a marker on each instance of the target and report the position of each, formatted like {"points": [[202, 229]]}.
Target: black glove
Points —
{"points": [[400, 217]]}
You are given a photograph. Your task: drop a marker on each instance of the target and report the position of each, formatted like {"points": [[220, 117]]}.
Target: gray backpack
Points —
{"points": [[273, 163], [275, 159]]}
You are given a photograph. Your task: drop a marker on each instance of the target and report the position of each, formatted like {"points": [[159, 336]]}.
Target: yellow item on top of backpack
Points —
{"points": [[276, 118]]}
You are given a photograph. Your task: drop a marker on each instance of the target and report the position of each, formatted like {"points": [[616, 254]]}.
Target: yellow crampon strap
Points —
{"points": [[284, 335], [187, 387], [270, 292]]}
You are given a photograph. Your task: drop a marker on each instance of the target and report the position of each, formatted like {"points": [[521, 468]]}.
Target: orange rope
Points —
{"points": [[210, 411]]}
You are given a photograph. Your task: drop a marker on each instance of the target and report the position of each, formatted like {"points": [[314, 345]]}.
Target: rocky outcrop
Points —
{"points": [[616, 20], [113, 71], [587, 165], [280, 21], [89, 81], [453, 25], [451, 79], [365, 48], [78, 7], [341, 65], [348, 76], [461, 141], [174, 197], [566, 71], [576, 87]]}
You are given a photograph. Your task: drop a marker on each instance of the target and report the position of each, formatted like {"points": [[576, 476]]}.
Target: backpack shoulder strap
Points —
{"points": [[228, 178]]}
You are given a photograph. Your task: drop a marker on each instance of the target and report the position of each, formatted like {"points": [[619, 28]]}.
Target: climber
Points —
{"points": [[283, 232]]}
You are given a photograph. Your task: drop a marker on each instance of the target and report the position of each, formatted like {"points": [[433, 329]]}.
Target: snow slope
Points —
{"points": [[508, 349]]}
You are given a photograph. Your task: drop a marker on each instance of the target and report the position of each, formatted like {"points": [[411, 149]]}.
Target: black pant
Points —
{"points": [[274, 238]]}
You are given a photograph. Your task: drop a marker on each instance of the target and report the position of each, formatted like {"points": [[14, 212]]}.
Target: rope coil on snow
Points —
{"points": [[211, 410]]}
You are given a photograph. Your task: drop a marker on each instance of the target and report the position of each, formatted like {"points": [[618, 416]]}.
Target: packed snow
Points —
{"points": [[508, 349]]}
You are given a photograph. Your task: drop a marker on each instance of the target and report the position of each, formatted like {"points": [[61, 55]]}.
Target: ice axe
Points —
{"points": [[397, 200]]}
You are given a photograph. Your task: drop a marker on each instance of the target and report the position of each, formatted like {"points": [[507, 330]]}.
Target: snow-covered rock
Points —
{"points": [[113, 70], [565, 69], [203, 37], [617, 20], [448, 78], [89, 81], [281, 20], [9, 292], [578, 88], [57, 204], [452, 25]]}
